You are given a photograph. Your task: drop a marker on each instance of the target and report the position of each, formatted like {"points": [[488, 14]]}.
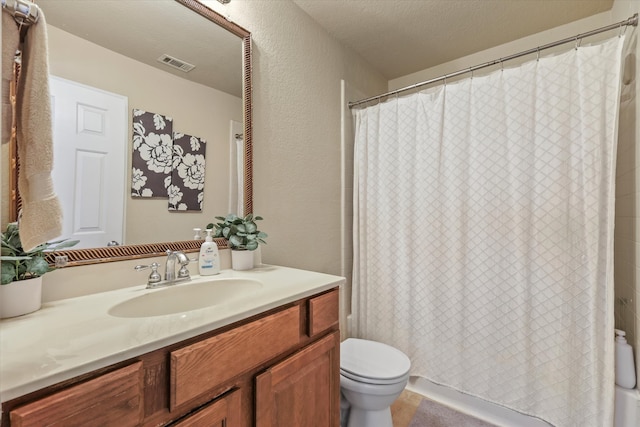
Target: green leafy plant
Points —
{"points": [[18, 264], [242, 233]]}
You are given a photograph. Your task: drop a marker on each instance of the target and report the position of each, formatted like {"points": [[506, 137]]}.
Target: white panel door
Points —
{"points": [[90, 148]]}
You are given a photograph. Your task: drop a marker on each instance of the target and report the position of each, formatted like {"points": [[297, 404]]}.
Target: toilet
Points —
{"points": [[372, 376]]}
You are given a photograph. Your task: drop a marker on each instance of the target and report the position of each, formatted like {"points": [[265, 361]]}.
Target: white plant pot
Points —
{"points": [[257, 257], [21, 297], [241, 260]]}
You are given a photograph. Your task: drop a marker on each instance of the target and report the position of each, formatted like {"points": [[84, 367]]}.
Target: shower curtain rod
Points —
{"points": [[23, 11], [627, 22]]}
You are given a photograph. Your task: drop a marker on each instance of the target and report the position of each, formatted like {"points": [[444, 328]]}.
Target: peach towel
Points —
{"points": [[41, 216]]}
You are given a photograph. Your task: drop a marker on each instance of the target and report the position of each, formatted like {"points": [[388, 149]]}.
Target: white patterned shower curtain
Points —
{"points": [[483, 233]]}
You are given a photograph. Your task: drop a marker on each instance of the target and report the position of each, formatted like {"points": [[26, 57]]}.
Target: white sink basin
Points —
{"points": [[191, 296]]}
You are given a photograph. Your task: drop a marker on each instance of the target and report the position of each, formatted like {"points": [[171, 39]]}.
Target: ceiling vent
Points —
{"points": [[176, 63]]}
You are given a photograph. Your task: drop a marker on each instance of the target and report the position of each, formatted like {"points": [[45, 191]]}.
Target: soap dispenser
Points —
{"points": [[625, 370], [196, 234], [209, 260]]}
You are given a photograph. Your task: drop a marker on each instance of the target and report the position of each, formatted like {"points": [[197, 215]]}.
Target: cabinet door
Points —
{"points": [[223, 412], [302, 390], [113, 399]]}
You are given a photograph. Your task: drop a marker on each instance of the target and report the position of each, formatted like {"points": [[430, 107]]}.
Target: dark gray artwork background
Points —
{"points": [[186, 191], [152, 154]]}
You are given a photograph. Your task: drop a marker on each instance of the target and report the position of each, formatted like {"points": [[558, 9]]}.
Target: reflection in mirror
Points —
{"points": [[104, 47]]}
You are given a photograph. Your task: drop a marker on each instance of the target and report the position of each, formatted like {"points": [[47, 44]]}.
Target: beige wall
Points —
{"points": [[195, 109], [297, 71], [503, 50], [627, 234]]}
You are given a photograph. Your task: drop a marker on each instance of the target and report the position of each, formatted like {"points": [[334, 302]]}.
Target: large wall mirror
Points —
{"points": [[115, 47]]}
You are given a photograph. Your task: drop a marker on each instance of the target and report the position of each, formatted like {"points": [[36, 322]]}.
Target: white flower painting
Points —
{"points": [[187, 178], [167, 164], [152, 154]]}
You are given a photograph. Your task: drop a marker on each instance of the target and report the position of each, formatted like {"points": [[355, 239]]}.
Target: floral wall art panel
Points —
{"points": [[186, 192], [152, 154]]}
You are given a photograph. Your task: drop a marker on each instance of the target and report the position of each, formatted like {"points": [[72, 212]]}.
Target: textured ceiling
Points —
{"points": [[400, 37], [397, 37]]}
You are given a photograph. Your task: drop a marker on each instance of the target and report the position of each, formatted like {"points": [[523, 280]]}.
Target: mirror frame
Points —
{"points": [[78, 257]]}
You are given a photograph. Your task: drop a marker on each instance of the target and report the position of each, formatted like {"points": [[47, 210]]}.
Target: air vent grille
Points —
{"points": [[176, 63]]}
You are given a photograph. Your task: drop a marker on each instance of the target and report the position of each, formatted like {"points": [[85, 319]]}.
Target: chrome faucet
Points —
{"points": [[170, 266], [155, 280]]}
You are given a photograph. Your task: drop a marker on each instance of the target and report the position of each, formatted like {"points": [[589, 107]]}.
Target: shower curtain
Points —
{"points": [[483, 233]]}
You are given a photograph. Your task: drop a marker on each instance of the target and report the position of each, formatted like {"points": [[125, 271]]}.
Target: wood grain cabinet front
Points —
{"points": [[204, 365], [112, 399], [323, 312], [302, 390], [222, 412]]}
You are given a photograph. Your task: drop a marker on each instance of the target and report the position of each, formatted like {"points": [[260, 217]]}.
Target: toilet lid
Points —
{"points": [[372, 361]]}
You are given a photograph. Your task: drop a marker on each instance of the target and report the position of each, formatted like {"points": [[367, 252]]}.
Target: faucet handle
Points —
{"points": [[154, 276], [183, 272], [184, 261]]}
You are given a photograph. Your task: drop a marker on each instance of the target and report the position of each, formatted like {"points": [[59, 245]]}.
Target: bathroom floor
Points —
{"points": [[414, 410]]}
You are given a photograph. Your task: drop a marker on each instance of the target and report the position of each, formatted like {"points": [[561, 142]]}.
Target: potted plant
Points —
{"points": [[21, 272], [243, 236]]}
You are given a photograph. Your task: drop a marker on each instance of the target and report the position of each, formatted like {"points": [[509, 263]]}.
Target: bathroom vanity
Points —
{"points": [[267, 358]]}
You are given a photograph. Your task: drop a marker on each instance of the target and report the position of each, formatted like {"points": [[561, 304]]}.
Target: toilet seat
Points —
{"points": [[373, 362]]}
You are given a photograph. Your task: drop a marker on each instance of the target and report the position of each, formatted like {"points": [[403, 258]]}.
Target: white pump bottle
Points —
{"points": [[209, 259], [625, 370]]}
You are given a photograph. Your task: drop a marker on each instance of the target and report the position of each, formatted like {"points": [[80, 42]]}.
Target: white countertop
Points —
{"points": [[74, 336]]}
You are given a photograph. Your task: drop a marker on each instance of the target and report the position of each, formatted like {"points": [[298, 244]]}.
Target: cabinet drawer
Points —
{"points": [[223, 412], [323, 312], [209, 363], [113, 399]]}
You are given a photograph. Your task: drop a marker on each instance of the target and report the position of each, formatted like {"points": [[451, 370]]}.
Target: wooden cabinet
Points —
{"points": [[323, 312], [222, 412], [197, 368], [279, 368], [110, 399], [300, 390]]}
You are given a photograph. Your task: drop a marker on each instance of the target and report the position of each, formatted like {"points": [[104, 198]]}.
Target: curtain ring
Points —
{"points": [[501, 65], [621, 31], [445, 79], [538, 54], [471, 71]]}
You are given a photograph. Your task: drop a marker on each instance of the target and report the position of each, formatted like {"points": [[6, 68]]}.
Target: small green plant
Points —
{"points": [[18, 264], [242, 233]]}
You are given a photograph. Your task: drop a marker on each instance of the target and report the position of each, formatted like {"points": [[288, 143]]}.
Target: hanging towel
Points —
{"points": [[41, 217]]}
